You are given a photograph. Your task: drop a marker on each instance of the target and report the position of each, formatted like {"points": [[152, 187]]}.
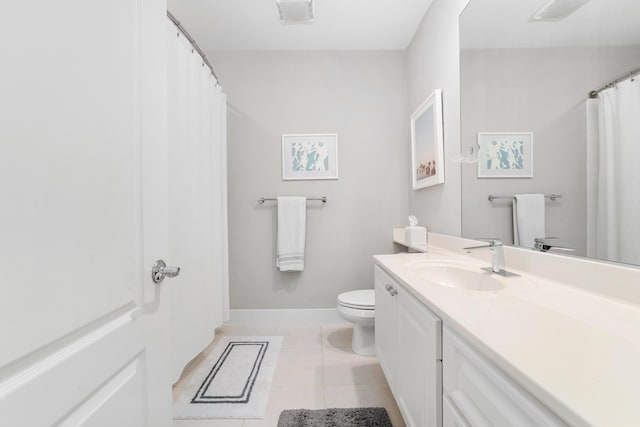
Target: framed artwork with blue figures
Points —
{"points": [[312, 156], [505, 155]]}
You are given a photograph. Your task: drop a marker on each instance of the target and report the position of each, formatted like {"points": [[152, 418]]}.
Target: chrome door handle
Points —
{"points": [[160, 270]]}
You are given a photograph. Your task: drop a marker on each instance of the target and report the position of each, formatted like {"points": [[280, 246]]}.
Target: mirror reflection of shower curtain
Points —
{"points": [[613, 181]]}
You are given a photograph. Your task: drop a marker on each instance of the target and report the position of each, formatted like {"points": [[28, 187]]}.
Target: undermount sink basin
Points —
{"points": [[455, 275]]}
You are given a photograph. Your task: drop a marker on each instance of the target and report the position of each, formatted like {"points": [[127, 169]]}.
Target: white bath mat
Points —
{"points": [[233, 381]]}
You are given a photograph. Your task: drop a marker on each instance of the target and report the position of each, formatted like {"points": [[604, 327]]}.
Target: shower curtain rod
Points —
{"points": [[194, 44], [632, 74]]}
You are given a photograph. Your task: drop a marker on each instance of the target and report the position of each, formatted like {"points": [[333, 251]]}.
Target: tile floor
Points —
{"points": [[316, 369]]}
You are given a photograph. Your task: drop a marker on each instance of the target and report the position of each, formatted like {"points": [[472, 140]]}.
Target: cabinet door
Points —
{"points": [[451, 417], [419, 376], [386, 325], [485, 396]]}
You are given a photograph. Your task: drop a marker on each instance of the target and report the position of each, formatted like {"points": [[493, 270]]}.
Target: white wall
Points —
{"points": [[361, 96], [433, 63], [543, 91]]}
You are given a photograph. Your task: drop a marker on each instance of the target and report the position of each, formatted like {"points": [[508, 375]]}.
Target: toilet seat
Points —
{"points": [[356, 307], [363, 299]]}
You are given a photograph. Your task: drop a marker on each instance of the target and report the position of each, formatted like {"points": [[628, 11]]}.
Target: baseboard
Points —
{"points": [[287, 315]]}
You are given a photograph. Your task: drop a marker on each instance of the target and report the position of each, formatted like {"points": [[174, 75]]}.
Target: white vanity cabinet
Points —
{"points": [[478, 394], [408, 345]]}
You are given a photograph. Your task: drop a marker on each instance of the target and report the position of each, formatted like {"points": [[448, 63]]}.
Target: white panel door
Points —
{"points": [[83, 214]]}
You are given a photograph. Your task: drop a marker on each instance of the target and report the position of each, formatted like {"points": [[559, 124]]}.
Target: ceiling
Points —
{"points": [[506, 24], [339, 24]]}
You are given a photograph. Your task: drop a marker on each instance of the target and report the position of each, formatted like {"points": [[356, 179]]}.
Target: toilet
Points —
{"points": [[358, 307]]}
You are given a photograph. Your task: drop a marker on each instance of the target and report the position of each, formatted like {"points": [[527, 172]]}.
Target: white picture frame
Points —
{"points": [[309, 156], [427, 143], [505, 155]]}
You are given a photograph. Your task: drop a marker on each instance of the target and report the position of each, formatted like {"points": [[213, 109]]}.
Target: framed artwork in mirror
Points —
{"points": [[505, 155], [427, 143]]}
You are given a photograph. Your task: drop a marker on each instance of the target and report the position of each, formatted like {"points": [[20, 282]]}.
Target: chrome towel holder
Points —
{"points": [[322, 199], [552, 197]]}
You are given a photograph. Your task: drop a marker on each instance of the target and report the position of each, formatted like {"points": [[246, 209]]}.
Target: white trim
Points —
{"points": [[287, 315]]}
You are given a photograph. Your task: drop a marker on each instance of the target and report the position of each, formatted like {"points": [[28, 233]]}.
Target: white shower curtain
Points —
{"points": [[198, 200], [614, 174]]}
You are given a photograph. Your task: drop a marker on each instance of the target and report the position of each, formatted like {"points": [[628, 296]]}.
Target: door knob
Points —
{"points": [[160, 270]]}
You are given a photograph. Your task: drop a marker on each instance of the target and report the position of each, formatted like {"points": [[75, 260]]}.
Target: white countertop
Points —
{"points": [[575, 351]]}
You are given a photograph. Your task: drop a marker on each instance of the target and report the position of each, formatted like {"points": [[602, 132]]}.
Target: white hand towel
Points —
{"points": [[292, 218], [528, 219]]}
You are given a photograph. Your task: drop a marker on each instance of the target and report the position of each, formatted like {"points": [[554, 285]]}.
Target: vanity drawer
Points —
{"points": [[451, 416], [479, 394]]}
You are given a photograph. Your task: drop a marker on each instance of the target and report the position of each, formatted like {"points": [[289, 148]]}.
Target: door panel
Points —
{"points": [[64, 379], [84, 200], [119, 403], [67, 167]]}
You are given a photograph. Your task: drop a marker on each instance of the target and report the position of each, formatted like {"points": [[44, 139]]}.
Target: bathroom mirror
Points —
{"points": [[519, 75]]}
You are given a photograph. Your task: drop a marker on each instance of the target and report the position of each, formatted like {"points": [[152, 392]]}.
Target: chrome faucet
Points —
{"points": [[541, 244], [497, 257]]}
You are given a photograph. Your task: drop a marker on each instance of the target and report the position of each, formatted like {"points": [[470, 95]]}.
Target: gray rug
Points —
{"points": [[335, 417]]}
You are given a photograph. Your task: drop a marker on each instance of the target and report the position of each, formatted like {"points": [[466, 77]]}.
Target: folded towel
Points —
{"points": [[528, 219], [292, 217]]}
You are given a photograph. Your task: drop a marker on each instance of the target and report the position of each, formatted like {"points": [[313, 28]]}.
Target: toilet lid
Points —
{"points": [[362, 299]]}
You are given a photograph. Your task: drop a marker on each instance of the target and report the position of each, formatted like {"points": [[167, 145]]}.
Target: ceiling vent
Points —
{"points": [[555, 10], [295, 11]]}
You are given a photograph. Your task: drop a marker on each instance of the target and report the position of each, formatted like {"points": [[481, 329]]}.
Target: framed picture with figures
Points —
{"points": [[313, 156], [427, 143], [505, 155]]}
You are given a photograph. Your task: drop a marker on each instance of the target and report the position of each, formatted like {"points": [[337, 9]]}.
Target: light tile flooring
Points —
{"points": [[316, 369]]}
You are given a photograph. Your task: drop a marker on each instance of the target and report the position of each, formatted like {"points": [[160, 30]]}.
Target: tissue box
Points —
{"points": [[415, 236]]}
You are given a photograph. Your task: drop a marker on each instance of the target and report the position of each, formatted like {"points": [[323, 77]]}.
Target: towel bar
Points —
{"points": [[261, 200], [552, 197]]}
